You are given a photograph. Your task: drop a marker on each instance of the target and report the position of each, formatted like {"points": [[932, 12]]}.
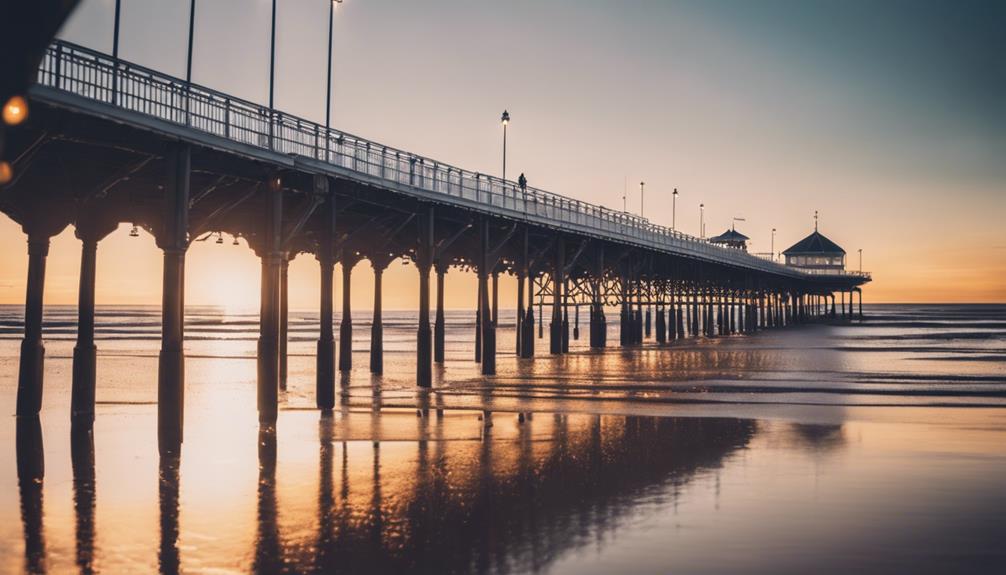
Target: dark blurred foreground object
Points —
{"points": [[26, 29]]}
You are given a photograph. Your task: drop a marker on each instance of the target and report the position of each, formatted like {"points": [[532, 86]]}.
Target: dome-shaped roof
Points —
{"points": [[728, 237], [815, 243]]}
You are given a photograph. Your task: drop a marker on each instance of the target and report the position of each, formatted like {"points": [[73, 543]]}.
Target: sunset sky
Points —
{"points": [[888, 117]]}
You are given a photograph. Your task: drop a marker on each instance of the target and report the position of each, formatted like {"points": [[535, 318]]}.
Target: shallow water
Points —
{"points": [[877, 446]]}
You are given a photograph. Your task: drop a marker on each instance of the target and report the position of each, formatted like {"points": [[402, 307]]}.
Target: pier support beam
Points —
{"points": [[660, 324], [638, 326], [488, 327], [90, 231], [496, 297], [695, 314], [558, 281], [521, 274], [173, 240], [284, 318], [377, 325], [529, 320], [565, 317], [672, 319], [576, 321], [478, 321], [424, 261], [623, 313], [439, 326], [29, 381], [325, 362], [348, 260], [270, 309], [598, 323], [648, 322]]}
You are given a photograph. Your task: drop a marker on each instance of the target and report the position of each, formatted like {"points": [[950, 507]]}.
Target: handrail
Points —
{"points": [[93, 75]]}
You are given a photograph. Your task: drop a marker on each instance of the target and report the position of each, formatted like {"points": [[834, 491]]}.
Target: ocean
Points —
{"points": [[875, 446]]}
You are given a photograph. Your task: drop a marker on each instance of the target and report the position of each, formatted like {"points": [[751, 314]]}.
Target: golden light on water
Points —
{"points": [[15, 110]]}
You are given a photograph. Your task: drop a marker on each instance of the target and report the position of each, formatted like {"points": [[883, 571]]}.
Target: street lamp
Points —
{"points": [[860, 260], [674, 210], [773, 245], [504, 119], [192, 29], [115, 52], [328, 89], [702, 221], [641, 184], [272, 66]]}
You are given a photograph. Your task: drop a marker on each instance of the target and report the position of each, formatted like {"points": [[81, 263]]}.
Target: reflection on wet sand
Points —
{"points": [[82, 460], [168, 557], [459, 513], [30, 471], [507, 504], [514, 500]]}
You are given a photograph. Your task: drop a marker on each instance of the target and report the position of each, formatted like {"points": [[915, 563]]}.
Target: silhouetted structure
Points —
{"points": [[731, 239], [184, 162]]}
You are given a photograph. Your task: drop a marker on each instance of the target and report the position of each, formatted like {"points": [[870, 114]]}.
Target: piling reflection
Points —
{"points": [[30, 471], [513, 501], [168, 558], [84, 494], [458, 498], [268, 550]]}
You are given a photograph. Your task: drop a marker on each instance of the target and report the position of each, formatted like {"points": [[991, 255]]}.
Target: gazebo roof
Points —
{"points": [[729, 236], [815, 243]]}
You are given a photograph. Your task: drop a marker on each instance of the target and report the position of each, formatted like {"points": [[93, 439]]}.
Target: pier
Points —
{"points": [[110, 142]]}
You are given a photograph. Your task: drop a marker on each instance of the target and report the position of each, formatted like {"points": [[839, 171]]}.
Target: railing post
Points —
{"points": [[227, 118], [57, 83]]}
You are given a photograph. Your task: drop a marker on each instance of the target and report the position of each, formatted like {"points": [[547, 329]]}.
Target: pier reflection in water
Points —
{"points": [[458, 496]]}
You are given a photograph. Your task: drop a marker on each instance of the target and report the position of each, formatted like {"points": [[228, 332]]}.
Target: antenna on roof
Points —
{"points": [[815, 220]]}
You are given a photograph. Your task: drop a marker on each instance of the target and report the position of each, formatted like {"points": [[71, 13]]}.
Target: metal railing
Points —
{"points": [[96, 76]]}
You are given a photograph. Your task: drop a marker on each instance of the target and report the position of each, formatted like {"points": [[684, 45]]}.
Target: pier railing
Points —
{"points": [[96, 76]]}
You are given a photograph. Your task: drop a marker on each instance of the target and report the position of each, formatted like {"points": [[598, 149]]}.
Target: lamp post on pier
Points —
{"points": [[674, 210], [702, 221], [272, 62], [860, 260], [504, 119], [192, 29], [328, 85], [641, 198], [773, 245]]}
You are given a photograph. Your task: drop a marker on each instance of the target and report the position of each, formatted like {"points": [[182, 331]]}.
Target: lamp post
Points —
{"points": [[702, 221], [641, 197], [272, 63], [504, 119], [773, 245], [860, 260], [192, 29], [674, 210], [328, 87], [115, 52]]}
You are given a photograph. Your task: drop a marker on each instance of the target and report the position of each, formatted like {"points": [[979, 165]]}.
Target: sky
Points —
{"points": [[886, 117]]}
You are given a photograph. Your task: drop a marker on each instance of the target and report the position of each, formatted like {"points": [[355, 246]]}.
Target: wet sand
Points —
{"points": [[829, 449]]}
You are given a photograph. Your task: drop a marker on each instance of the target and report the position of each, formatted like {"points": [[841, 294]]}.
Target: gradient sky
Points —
{"points": [[886, 116]]}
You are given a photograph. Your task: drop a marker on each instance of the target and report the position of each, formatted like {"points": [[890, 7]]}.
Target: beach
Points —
{"points": [[878, 445]]}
